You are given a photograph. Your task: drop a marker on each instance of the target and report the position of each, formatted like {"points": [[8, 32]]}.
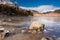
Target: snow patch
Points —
{"points": [[42, 8]]}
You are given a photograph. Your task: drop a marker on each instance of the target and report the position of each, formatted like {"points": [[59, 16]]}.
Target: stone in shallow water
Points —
{"points": [[23, 31], [36, 27], [33, 31], [58, 38], [47, 38]]}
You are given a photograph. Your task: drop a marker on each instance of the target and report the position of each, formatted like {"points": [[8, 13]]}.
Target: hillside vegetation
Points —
{"points": [[13, 10]]}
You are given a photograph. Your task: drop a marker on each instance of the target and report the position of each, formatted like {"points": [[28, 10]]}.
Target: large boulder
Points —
{"points": [[37, 27]]}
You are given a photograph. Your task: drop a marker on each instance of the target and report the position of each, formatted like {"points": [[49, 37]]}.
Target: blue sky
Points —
{"points": [[34, 3]]}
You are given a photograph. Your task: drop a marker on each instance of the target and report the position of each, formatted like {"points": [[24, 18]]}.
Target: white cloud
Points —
{"points": [[42, 8], [5, 2]]}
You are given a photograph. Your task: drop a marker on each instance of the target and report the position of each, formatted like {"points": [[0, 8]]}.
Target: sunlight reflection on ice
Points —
{"points": [[50, 21]]}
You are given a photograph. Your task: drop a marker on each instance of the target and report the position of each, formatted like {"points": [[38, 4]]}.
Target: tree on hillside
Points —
{"points": [[30, 12]]}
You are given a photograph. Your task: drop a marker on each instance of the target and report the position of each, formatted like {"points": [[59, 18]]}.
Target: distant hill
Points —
{"points": [[13, 10], [57, 11], [54, 13]]}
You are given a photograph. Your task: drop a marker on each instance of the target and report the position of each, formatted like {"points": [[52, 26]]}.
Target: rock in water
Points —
{"points": [[38, 27], [23, 31], [47, 38]]}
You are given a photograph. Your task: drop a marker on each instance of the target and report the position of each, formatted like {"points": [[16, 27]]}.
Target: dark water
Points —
{"points": [[52, 24]]}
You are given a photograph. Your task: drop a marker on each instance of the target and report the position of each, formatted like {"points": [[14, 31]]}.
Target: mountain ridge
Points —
{"points": [[11, 9]]}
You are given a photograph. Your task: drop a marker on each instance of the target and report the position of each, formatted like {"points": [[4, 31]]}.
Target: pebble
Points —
{"points": [[23, 31]]}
